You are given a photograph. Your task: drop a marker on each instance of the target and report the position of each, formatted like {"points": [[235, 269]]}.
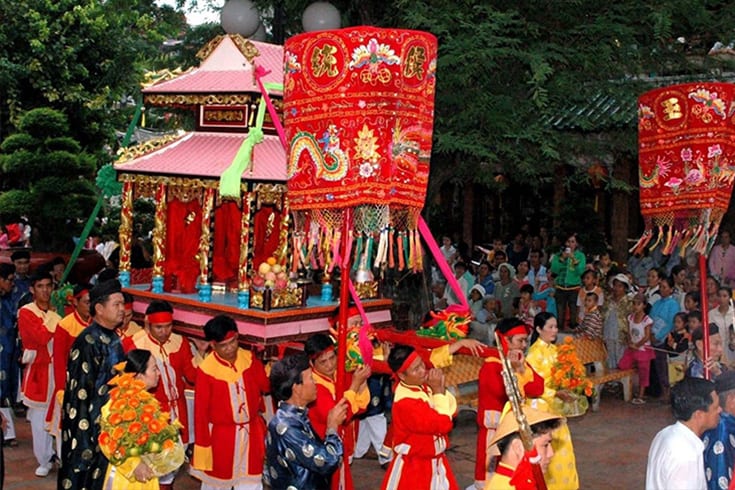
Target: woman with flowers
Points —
{"points": [[136, 436], [561, 376]]}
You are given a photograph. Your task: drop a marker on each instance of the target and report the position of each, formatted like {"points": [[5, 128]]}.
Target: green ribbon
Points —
{"points": [[229, 181]]}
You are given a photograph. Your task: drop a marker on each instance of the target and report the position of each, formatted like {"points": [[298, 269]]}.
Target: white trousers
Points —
{"points": [[372, 431], [43, 443]]}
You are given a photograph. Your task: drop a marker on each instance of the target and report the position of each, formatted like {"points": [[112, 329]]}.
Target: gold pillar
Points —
{"points": [[206, 235], [242, 272], [159, 231], [126, 226]]}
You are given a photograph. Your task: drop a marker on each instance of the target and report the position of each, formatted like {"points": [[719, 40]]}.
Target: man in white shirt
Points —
{"points": [[675, 460]]}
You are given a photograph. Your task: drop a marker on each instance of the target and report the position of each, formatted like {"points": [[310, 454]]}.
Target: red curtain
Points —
{"points": [[266, 229], [226, 249], [183, 229]]}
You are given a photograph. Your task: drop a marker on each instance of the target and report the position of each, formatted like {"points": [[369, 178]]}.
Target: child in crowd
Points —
{"points": [[527, 308], [691, 302], [545, 294], [696, 365], [639, 351], [678, 339], [589, 285], [694, 321], [591, 326]]}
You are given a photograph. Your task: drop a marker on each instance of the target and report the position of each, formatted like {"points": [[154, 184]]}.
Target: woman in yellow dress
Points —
{"points": [[562, 471], [132, 423]]}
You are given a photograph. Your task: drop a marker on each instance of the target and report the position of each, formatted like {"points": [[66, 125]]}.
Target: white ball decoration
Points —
{"points": [[240, 17], [321, 16]]}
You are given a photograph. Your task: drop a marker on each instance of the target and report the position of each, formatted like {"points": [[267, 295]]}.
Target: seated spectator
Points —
{"points": [[697, 364], [527, 308], [591, 326], [477, 293]]}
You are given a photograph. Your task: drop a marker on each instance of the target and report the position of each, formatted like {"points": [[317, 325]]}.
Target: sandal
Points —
{"points": [[638, 401]]}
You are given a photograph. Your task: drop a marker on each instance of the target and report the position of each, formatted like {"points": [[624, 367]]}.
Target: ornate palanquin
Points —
{"points": [[207, 243]]}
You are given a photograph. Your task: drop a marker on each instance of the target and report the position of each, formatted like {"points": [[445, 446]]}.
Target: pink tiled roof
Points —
{"points": [[207, 155], [226, 70]]}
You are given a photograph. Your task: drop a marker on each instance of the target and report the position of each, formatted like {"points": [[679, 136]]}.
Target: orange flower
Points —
{"points": [[149, 408], [114, 418], [135, 427], [104, 438], [155, 426], [128, 415], [133, 402], [142, 439], [117, 433], [168, 444], [117, 405]]}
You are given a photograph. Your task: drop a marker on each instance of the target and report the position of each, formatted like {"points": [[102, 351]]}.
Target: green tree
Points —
{"points": [[48, 175]]}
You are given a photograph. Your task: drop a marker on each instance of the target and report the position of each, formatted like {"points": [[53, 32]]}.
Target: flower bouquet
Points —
{"points": [[136, 427], [569, 379]]}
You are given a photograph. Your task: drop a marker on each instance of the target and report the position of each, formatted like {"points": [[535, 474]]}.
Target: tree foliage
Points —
{"points": [[46, 177]]}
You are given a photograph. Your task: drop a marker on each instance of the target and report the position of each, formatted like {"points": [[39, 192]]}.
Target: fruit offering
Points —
{"points": [[270, 274]]}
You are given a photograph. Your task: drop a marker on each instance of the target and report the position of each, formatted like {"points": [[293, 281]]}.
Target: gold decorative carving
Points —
{"points": [[159, 231], [282, 250], [367, 289], [126, 226], [186, 192], [282, 298], [270, 194], [205, 236], [247, 48], [242, 271], [133, 152], [151, 78], [173, 100]]}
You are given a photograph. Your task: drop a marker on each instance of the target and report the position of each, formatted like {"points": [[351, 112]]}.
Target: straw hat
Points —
{"points": [[508, 424]]}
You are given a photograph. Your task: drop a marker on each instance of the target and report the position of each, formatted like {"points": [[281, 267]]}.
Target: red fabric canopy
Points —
{"points": [[686, 142]]}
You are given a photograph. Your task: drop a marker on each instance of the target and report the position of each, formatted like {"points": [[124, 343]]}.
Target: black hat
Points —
{"points": [[103, 289], [20, 254], [725, 382]]}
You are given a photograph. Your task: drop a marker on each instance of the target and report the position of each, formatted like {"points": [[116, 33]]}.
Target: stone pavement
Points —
{"points": [[611, 447]]}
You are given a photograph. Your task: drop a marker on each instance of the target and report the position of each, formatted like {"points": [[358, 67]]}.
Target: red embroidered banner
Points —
{"points": [[358, 112], [686, 146]]}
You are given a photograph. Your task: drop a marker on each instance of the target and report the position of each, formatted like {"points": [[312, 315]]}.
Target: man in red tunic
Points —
{"points": [[323, 359], [173, 357], [174, 360], [491, 390], [128, 327], [423, 413], [66, 332], [229, 430], [36, 326]]}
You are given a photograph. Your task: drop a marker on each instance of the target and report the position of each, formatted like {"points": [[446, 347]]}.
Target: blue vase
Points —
{"points": [[157, 284], [243, 299]]}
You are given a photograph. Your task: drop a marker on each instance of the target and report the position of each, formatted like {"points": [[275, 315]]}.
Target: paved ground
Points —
{"points": [[611, 447]]}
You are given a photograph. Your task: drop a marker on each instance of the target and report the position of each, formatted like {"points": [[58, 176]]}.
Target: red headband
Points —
{"points": [[517, 330], [229, 335], [81, 293], [160, 317], [128, 306], [314, 357], [407, 363]]}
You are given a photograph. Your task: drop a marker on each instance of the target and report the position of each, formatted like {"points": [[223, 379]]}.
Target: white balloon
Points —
{"points": [[240, 17], [321, 16]]}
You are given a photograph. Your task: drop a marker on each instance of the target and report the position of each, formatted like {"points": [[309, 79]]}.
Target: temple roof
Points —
{"points": [[207, 155], [226, 68]]}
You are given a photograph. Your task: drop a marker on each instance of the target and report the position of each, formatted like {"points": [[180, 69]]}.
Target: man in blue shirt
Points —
{"points": [[295, 456]]}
